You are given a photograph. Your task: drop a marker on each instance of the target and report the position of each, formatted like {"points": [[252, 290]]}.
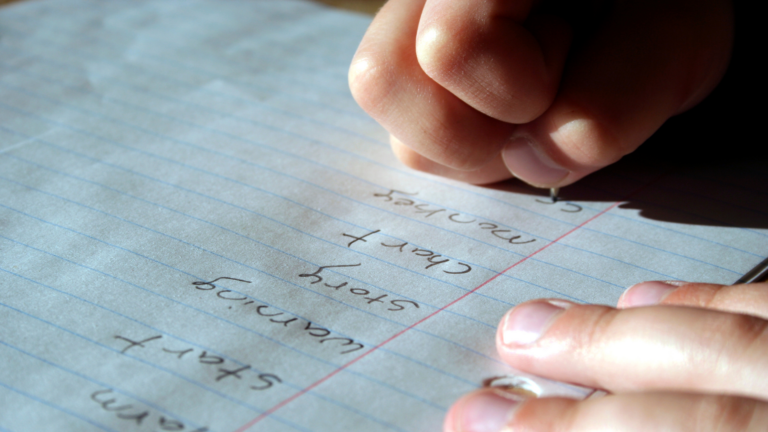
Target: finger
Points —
{"points": [[492, 56], [490, 410], [492, 172], [388, 83], [648, 62], [650, 348], [743, 298]]}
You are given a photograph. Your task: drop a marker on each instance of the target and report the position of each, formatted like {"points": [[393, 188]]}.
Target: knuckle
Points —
{"points": [[597, 327], [585, 140], [447, 140], [746, 334], [439, 143], [437, 54], [707, 296], [460, 58], [411, 159], [724, 414], [713, 296], [369, 81], [734, 345]]}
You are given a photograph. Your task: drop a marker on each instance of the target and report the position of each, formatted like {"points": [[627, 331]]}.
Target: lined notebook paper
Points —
{"points": [[201, 231]]}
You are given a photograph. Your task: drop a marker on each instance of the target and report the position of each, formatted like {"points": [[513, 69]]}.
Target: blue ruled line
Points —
{"points": [[243, 294], [641, 244], [280, 173], [208, 349], [43, 401], [236, 137], [252, 187]]}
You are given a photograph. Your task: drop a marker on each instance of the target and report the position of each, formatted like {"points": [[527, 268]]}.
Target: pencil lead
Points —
{"points": [[553, 192]]}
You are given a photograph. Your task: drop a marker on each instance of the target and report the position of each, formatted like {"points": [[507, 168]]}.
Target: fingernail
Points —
{"points": [[488, 411], [524, 324], [648, 293], [528, 163]]}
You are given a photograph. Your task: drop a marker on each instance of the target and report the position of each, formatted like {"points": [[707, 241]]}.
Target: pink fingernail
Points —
{"points": [[483, 412], [526, 323], [528, 163], [647, 293]]}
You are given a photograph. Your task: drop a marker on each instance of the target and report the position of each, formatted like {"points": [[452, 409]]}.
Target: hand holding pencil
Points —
{"points": [[545, 91], [549, 92]]}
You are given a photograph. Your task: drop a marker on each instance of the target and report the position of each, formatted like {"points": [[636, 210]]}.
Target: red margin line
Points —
{"points": [[296, 395]]}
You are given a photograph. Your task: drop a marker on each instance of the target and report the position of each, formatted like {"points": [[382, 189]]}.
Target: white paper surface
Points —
{"points": [[172, 174]]}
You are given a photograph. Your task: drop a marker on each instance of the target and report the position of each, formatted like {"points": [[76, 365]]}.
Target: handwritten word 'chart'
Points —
{"points": [[201, 231]]}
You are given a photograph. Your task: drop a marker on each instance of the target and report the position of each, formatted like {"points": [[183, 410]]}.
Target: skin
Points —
{"points": [[687, 357], [484, 90], [549, 92]]}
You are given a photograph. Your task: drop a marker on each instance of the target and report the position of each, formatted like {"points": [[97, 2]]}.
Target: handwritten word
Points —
{"points": [[318, 333], [487, 227], [564, 206], [428, 255], [398, 304], [138, 415], [262, 381]]}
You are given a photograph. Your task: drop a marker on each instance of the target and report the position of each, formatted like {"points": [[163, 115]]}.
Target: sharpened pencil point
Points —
{"points": [[553, 193]]}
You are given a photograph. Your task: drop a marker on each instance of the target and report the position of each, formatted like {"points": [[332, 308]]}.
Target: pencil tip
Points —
{"points": [[553, 192]]}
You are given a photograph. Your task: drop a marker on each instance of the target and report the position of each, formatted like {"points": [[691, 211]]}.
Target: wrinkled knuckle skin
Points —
{"points": [[752, 332], [595, 337], [724, 414], [737, 349], [595, 328]]}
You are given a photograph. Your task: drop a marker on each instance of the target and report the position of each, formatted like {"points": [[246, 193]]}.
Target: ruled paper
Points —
{"points": [[201, 231]]}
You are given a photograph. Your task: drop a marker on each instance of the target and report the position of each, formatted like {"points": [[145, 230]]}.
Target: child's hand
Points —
{"points": [[483, 90], [692, 358]]}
